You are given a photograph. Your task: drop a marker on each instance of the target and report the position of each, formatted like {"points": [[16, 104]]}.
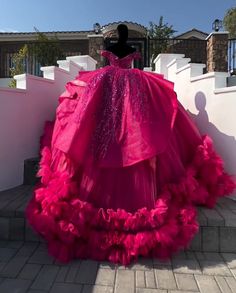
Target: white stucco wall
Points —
{"points": [[211, 104], [23, 112]]}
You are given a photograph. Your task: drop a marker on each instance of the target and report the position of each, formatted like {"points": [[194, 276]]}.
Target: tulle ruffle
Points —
{"points": [[187, 171], [77, 229]]}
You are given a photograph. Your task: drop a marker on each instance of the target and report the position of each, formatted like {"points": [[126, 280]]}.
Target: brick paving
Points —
{"points": [[26, 267], [209, 266]]}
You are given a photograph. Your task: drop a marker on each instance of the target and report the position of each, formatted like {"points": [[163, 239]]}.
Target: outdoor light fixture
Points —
{"points": [[217, 25], [97, 28]]}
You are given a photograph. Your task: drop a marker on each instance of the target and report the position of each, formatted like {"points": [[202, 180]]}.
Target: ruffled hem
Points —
{"points": [[76, 229]]}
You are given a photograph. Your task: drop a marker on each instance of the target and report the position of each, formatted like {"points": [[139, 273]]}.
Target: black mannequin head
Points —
{"points": [[121, 48], [122, 33]]}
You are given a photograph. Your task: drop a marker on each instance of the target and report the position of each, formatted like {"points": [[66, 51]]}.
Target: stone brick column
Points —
{"points": [[217, 52], [96, 43]]}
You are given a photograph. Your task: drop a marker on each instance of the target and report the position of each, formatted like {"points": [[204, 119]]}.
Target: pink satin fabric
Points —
{"points": [[122, 168]]}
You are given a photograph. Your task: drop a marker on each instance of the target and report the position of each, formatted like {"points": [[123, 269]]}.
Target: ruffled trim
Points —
{"points": [[76, 229], [209, 179]]}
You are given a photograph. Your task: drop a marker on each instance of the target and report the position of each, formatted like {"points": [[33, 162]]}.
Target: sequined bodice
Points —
{"points": [[114, 111], [125, 62]]}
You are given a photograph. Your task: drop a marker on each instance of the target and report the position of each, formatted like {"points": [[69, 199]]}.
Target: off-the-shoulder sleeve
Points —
{"points": [[105, 53]]}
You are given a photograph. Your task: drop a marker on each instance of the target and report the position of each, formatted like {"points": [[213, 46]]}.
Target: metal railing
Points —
{"points": [[232, 56], [38, 54], [149, 48], [191, 48]]}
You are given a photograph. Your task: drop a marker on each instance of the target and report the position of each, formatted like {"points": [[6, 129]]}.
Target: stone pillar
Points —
{"points": [[96, 43], [217, 52]]}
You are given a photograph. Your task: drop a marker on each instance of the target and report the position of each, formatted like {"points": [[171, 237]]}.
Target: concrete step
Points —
{"points": [[31, 167], [217, 226], [13, 225]]}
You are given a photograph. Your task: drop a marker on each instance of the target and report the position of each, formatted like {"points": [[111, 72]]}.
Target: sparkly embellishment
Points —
{"points": [[114, 89]]}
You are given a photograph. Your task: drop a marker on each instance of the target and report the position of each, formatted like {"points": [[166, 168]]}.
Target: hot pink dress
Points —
{"points": [[123, 169]]}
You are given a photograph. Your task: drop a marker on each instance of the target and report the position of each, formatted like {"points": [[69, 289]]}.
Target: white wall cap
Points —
{"points": [[74, 64], [64, 64], [225, 90], [48, 72], [20, 81], [178, 61], [209, 75], [81, 58], [167, 55], [191, 65], [217, 33]]}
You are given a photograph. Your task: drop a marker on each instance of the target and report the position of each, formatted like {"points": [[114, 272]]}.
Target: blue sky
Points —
{"points": [[59, 15]]}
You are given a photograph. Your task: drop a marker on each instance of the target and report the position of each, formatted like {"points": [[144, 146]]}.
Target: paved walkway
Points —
{"points": [[26, 267]]}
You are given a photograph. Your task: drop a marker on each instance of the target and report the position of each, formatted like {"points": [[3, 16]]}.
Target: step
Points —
{"points": [[13, 225], [217, 231], [31, 167]]}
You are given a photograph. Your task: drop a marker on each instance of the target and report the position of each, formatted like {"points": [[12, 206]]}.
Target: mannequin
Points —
{"points": [[121, 48]]}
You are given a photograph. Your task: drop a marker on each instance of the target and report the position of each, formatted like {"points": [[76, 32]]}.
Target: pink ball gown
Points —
{"points": [[123, 169]]}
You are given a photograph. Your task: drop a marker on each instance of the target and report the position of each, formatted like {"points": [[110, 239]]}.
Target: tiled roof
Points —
{"points": [[30, 36], [51, 32], [192, 30], [124, 22]]}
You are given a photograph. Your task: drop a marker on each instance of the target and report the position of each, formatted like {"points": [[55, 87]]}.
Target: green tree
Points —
{"points": [[159, 35], [46, 50], [19, 63], [229, 22]]}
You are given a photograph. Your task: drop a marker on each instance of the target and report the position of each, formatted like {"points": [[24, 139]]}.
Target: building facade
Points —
{"points": [[191, 43]]}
